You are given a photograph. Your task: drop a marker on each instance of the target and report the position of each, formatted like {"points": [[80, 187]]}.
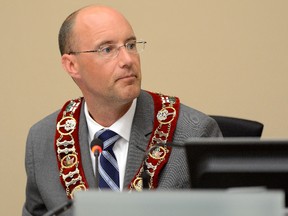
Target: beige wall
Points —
{"points": [[221, 57]]}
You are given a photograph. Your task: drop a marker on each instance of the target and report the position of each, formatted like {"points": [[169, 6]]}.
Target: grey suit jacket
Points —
{"points": [[44, 190]]}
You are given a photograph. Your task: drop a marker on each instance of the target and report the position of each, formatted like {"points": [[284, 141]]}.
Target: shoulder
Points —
{"points": [[41, 135], [45, 123], [188, 116], [194, 123], [191, 122], [193, 115], [50, 120]]}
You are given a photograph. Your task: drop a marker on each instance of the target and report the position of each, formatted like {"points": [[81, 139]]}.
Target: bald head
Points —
{"points": [[99, 51], [80, 21]]}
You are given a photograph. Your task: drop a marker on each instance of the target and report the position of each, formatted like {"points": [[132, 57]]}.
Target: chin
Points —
{"points": [[131, 93]]}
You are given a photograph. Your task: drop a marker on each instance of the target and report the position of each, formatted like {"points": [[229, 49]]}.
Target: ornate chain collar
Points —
{"points": [[167, 109], [68, 149], [67, 146]]}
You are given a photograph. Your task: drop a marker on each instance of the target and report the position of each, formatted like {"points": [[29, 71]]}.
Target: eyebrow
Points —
{"points": [[131, 38], [112, 42], [104, 43]]}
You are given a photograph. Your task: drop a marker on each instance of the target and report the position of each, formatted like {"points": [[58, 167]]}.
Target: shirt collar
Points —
{"points": [[122, 126]]}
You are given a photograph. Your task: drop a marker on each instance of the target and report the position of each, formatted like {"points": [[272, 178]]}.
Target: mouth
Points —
{"points": [[127, 78]]}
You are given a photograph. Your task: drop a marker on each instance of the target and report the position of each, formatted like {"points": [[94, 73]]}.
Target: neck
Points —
{"points": [[107, 115]]}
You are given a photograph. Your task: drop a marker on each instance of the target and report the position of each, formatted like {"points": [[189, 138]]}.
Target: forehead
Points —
{"points": [[102, 24]]}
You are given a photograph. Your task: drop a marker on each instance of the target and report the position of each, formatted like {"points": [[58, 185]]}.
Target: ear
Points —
{"points": [[69, 63]]}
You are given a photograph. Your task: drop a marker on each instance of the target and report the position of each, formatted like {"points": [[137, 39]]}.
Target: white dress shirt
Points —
{"points": [[122, 127]]}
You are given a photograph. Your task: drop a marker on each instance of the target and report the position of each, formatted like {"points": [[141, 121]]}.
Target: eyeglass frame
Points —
{"points": [[99, 50]]}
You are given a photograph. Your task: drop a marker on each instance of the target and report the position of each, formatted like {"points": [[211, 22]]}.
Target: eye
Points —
{"points": [[106, 50], [131, 45]]}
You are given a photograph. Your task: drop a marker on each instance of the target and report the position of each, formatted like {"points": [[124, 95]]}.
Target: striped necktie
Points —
{"points": [[108, 167]]}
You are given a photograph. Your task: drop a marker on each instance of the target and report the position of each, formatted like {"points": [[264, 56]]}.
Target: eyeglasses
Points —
{"points": [[110, 51]]}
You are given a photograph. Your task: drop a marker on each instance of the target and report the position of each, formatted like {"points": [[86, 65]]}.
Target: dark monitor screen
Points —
{"points": [[236, 163]]}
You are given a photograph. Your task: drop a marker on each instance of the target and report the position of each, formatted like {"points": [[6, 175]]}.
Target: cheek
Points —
{"points": [[90, 70], [138, 63], [99, 76]]}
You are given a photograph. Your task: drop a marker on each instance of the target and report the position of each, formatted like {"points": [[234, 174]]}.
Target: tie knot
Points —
{"points": [[108, 138]]}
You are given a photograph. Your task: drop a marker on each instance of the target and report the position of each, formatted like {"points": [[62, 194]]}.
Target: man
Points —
{"points": [[101, 53]]}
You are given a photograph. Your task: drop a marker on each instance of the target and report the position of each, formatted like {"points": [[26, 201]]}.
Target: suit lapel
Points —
{"points": [[140, 134], [85, 150]]}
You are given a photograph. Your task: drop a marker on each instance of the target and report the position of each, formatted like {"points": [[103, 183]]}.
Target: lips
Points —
{"points": [[128, 77]]}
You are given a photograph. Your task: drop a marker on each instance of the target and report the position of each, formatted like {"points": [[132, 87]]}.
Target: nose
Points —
{"points": [[125, 58]]}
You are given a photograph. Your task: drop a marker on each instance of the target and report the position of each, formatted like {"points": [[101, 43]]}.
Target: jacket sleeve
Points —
{"points": [[33, 203]]}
